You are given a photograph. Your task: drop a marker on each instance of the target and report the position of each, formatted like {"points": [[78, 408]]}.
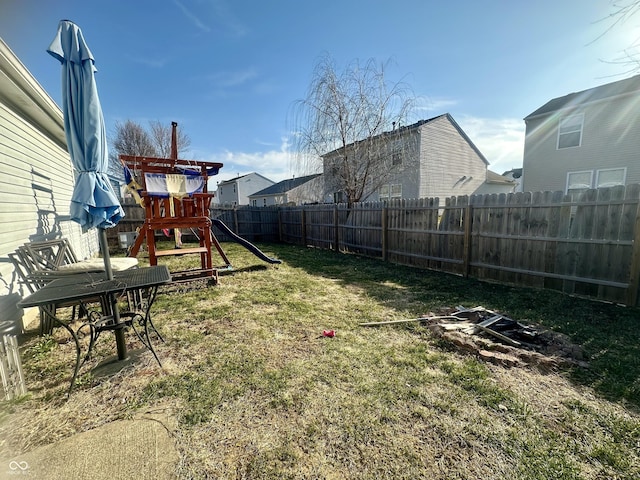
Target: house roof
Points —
{"points": [[614, 89], [284, 186], [419, 124], [496, 178], [233, 180], [22, 93]]}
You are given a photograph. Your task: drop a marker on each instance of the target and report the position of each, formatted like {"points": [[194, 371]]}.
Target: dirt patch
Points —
{"points": [[522, 345]]}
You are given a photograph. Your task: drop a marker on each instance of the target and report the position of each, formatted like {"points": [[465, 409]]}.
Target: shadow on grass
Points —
{"points": [[609, 333]]}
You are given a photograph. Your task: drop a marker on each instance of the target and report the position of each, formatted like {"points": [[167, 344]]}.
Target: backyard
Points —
{"points": [[258, 392]]}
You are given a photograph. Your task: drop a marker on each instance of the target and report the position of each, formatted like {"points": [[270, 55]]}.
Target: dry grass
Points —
{"points": [[258, 392]]}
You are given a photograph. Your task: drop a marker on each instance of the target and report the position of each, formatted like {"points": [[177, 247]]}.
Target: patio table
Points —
{"points": [[84, 286]]}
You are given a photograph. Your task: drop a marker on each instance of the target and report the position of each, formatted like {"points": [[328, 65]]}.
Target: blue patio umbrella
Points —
{"points": [[93, 203]]}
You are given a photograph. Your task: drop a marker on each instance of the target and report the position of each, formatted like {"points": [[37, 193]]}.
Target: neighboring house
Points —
{"points": [[515, 174], [36, 179], [431, 158], [294, 191], [584, 140], [496, 183], [236, 191]]}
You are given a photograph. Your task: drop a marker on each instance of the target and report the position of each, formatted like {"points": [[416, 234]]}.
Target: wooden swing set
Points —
{"points": [[175, 208]]}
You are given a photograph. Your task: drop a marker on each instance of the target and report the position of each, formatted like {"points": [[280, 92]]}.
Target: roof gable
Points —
{"points": [[236, 179], [418, 125], [609, 90]]}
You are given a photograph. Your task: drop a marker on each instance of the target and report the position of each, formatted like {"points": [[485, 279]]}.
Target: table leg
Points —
{"points": [[49, 311]]}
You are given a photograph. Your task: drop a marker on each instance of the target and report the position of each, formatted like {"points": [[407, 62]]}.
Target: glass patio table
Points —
{"points": [[83, 287]]}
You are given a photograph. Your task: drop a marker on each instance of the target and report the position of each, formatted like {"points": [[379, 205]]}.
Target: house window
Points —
{"points": [[396, 191], [339, 197], [264, 202], [570, 131], [396, 159], [255, 203], [610, 177], [384, 191], [579, 181]]}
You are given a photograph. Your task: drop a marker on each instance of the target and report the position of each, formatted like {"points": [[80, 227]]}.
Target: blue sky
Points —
{"points": [[229, 71]]}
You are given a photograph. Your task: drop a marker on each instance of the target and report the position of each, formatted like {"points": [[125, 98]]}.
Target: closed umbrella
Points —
{"points": [[93, 203]]}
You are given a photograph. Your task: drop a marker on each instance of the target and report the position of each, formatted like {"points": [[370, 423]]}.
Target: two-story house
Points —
{"points": [[236, 191], [431, 158], [587, 139]]}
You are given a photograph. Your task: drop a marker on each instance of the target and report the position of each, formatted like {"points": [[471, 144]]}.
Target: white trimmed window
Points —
{"points": [[384, 191], [610, 177], [579, 181], [570, 131], [396, 190]]}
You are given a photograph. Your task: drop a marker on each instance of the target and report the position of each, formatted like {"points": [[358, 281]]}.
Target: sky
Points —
{"points": [[230, 72]]}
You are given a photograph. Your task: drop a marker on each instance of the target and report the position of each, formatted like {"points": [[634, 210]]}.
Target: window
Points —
{"points": [[264, 202], [570, 131], [396, 159], [390, 191], [579, 181], [610, 177]]}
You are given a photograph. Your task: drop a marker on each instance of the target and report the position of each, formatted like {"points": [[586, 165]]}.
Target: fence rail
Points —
{"points": [[587, 246]]}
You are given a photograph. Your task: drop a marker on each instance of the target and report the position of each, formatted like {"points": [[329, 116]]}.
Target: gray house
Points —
{"points": [[293, 191], [431, 158], [236, 191], [584, 140], [36, 176]]}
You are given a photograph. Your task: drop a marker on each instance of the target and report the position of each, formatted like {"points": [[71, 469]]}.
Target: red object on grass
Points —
{"points": [[329, 333]]}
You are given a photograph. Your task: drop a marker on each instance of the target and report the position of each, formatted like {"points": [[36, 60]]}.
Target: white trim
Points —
{"points": [[624, 176], [564, 119], [566, 185]]}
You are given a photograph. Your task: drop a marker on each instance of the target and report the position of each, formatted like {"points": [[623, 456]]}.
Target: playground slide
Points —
{"points": [[246, 244]]}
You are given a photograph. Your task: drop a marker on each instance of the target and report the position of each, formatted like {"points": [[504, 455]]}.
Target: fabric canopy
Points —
{"points": [[94, 202]]}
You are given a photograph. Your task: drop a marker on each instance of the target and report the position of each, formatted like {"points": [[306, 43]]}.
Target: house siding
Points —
{"points": [[610, 139], [446, 157], [36, 177], [236, 191]]}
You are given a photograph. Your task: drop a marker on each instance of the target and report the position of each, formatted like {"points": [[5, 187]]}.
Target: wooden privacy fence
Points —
{"points": [[587, 246]]}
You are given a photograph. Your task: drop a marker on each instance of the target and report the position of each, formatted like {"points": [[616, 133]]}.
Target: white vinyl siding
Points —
{"points": [[445, 157], [36, 176], [570, 131], [610, 140]]}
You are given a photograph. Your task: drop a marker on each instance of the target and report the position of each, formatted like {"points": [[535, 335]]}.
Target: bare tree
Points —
{"points": [[161, 137], [622, 12], [129, 138], [347, 122]]}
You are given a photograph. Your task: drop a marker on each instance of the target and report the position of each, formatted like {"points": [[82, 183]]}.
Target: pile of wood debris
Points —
{"points": [[497, 338]]}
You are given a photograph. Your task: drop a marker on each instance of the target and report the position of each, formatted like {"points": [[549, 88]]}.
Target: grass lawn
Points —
{"points": [[257, 392]]}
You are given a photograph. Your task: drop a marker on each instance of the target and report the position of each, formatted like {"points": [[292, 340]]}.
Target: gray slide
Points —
{"points": [[248, 245]]}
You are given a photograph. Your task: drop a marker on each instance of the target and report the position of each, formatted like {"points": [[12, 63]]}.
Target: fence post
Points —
{"points": [[303, 230], [235, 220], [468, 224], [634, 271], [384, 233], [336, 237], [279, 224]]}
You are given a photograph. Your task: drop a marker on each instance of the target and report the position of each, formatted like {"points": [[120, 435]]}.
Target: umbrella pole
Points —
{"points": [[121, 345]]}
